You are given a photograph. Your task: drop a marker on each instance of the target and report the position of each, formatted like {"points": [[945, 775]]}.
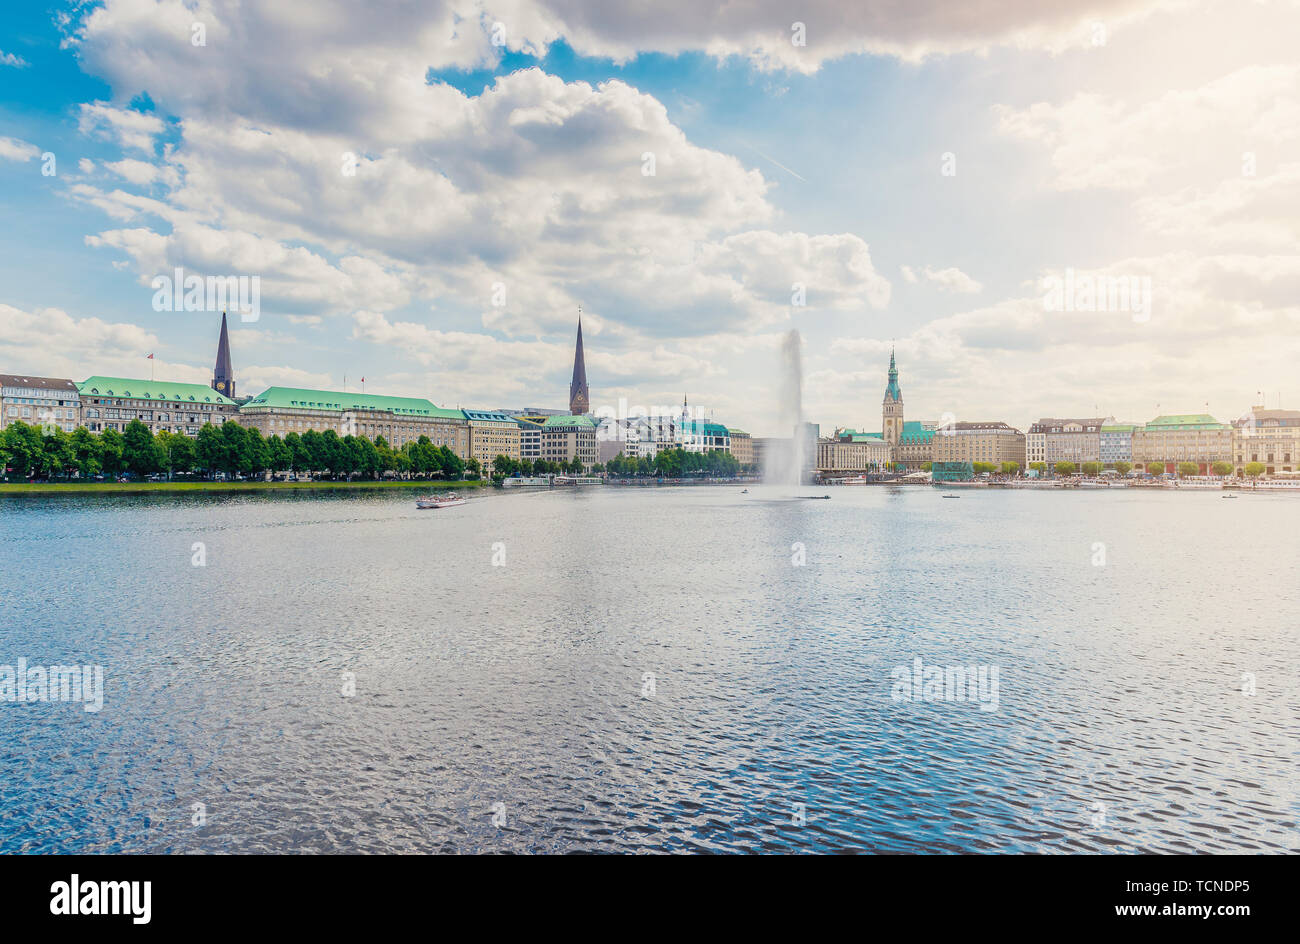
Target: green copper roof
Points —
{"points": [[151, 390], [704, 428], [852, 435], [553, 421], [737, 432], [914, 434], [1185, 421], [486, 416], [1123, 428], [300, 399]]}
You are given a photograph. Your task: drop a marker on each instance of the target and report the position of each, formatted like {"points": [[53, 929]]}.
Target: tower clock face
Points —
{"points": [[221, 385]]}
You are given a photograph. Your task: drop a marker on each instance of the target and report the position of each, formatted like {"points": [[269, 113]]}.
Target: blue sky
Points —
{"points": [[521, 166]]}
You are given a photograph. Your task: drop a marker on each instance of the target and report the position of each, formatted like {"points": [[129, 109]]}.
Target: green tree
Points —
{"points": [[1039, 467], [448, 463], [86, 452], [367, 456], [111, 451], [335, 457], [385, 458], [234, 448], [1064, 468], [299, 460], [210, 449], [23, 447], [1222, 469], [1010, 468], [141, 453], [280, 456], [1092, 468], [1255, 469], [315, 455], [254, 455], [1188, 468], [1156, 468], [56, 452], [182, 453], [1123, 468]]}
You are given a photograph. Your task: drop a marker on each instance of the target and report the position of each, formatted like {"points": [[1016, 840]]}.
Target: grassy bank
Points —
{"points": [[134, 488]]}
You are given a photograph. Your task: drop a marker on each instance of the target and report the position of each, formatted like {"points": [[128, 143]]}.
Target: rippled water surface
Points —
{"points": [[1121, 723]]}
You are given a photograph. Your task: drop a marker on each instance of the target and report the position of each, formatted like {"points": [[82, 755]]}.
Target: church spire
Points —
{"points": [[579, 396], [223, 374]]}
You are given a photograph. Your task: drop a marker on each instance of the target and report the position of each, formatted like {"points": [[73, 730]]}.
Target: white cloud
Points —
{"points": [[13, 149], [342, 58], [131, 129], [1098, 142], [9, 59], [50, 342], [536, 185], [1014, 360], [947, 280]]}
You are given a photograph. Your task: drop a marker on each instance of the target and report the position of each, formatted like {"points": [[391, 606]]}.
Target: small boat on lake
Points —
{"points": [[440, 501]]}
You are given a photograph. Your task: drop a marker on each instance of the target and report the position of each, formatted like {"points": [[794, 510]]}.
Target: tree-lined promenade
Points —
{"points": [[228, 450]]}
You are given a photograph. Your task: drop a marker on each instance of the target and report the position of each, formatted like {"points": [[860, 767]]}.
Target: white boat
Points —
{"points": [[434, 501]]}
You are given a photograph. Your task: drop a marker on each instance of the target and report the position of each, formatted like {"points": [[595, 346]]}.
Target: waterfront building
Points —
{"points": [[492, 434], [647, 436], [915, 445], [579, 395], [530, 437], [39, 401], [742, 447], [615, 437], [1271, 437], [703, 436], [223, 374], [282, 410], [163, 406], [565, 437], [1036, 445], [850, 451], [1066, 440], [1116, 443], [991, 442], [1187, 437]]}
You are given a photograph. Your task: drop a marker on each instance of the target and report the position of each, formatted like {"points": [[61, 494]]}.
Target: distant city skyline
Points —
{"points": [[429, 213]]}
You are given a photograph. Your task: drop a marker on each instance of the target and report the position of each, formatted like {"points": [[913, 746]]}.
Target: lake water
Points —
{"points": [[655, 670]]}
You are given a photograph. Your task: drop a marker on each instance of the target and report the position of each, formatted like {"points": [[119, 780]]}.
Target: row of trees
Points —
{"points": [[1184, 469], [503, 466], [675, 463], [230, 449]]}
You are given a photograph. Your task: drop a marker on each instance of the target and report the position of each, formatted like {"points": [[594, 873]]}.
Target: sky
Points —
{"points": [[427, 193]]}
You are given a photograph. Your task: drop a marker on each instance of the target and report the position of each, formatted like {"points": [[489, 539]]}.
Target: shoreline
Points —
{"points": [[140, 488]]}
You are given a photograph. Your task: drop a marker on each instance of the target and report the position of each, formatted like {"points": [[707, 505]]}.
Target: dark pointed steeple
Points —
{"points": [[223, 374], [579, 396]]}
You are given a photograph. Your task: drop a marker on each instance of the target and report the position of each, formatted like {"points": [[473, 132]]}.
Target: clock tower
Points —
{"points": [[223, 375], [891, 410]]}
